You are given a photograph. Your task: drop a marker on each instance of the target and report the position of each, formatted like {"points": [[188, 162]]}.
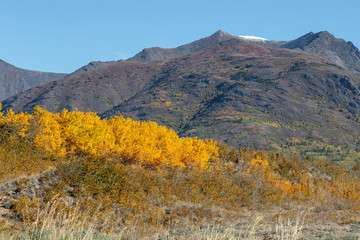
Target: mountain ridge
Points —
{"points": [[333, 51], [14, 80], [159, 54], [324, 44]]}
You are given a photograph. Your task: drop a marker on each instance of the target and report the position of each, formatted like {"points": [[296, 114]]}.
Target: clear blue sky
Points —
{"points": [[63, 35]]}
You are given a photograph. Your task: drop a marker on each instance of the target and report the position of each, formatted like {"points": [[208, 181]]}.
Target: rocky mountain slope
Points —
{"points": [[235, 91], [248, 95], [14, 80], [325, 45]]}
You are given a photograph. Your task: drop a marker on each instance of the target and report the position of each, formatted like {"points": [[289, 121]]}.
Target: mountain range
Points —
{"points": [[297, 96]]}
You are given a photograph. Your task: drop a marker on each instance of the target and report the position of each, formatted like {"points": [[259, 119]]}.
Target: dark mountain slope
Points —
{"points": [[325, 45], [14, 80]]}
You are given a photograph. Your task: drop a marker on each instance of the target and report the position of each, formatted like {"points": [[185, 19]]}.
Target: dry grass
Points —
{"points": [[57, 226], [54, 224], [55, 221], [171, 204], [288, 230]]}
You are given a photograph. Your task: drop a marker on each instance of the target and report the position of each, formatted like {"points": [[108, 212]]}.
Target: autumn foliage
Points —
{"points": [[143, 143]]}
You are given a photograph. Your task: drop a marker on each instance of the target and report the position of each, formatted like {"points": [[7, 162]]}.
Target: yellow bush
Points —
{"points": [[50, 137], [144, 143], [21, 120], [151, 144]]}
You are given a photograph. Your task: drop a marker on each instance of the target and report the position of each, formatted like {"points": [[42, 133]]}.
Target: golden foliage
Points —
{"points": [[21, 120], [144, 143]]}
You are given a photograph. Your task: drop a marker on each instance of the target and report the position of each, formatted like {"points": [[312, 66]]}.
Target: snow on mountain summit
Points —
{"points": [[254, 38]]}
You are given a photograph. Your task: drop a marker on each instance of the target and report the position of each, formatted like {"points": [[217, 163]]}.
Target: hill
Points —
{"points": [[96, 90], [15, 80]]}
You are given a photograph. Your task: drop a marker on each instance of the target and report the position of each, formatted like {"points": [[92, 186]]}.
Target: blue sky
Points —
{"points": [[63, 35]]}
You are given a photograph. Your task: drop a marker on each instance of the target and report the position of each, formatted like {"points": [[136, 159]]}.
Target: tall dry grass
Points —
{"points": [[287, 229], [56, 223]]}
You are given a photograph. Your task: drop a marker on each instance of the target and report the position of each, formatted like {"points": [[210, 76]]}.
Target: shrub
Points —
{"points": [[143, 143]]}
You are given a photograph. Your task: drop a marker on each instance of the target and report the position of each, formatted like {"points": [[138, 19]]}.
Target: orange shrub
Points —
{"points": [[144, 143], [151, 144]]}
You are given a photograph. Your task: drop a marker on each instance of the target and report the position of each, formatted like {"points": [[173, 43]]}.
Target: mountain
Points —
{"points": [[261, 97], [325, 45], [14, 80], [159, 54], [235, 91], [321, 44], [66, 93]]}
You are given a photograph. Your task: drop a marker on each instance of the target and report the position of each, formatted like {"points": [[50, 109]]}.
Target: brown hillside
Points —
{"points": [[97, 90]]}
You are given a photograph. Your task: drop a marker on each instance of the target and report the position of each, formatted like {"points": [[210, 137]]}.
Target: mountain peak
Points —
{"points": [[325, 33], [324, 44], [221, 34]]}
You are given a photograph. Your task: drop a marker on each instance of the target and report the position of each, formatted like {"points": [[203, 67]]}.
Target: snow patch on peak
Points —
{"points": [[254, 38]]}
